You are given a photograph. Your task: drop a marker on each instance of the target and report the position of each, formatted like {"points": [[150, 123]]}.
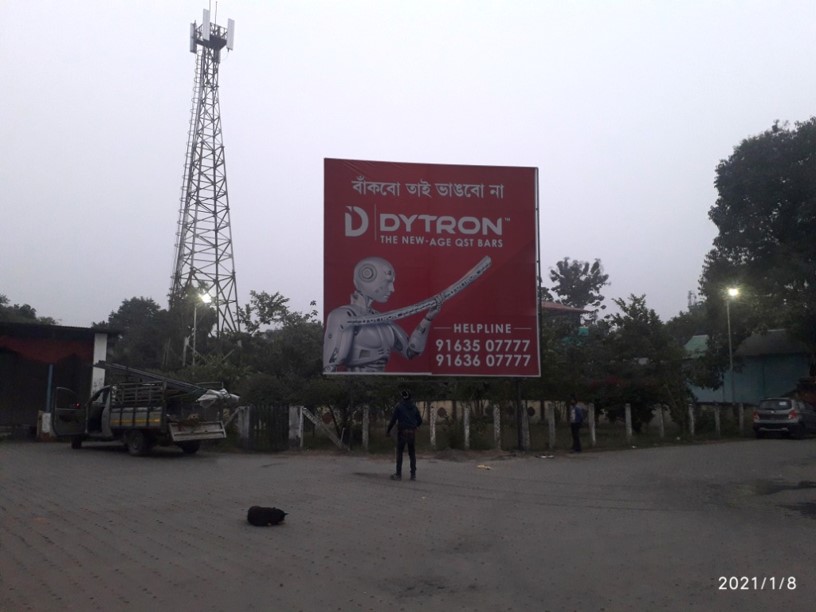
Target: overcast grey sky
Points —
{"points": [[626, 108]]}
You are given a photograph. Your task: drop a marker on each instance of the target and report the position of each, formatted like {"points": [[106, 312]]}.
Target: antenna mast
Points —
{"points": [[204, 261]]}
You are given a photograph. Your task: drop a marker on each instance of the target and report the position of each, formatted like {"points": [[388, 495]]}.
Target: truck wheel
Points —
{"points": [[138, 443], [191, 447], [76, 442]]}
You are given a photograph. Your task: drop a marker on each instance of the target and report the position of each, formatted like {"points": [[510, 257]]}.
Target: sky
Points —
{"points": [[625, 107]]}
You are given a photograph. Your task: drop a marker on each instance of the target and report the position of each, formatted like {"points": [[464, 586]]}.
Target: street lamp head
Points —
{"points": [[206, 298], [733, 292]]}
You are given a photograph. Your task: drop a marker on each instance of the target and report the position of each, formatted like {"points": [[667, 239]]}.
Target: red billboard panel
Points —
{"points": [[430, 269]]}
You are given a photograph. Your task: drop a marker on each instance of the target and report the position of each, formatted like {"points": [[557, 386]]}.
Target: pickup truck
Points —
{"points": [[153, 411]]}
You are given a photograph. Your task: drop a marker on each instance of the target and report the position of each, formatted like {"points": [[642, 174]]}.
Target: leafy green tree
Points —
{"points": [[765, 214], [644, 364], [565, 357], [143, 328], [705, 369], [578, 284], [565, 346], [21, 313], [689, 323], [287, 358], [264, 309]]}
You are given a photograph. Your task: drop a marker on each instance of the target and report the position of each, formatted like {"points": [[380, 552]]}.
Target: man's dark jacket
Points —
{"points": [[406, 416]]}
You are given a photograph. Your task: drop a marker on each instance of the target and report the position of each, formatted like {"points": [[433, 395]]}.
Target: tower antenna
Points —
{"points": [[203, 259]]}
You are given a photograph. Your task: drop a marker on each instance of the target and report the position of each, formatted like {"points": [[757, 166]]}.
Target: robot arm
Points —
{"points": [[337, 339], [419, 337]]}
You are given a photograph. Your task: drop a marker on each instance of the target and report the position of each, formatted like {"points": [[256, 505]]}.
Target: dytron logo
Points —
{"points": [[357, 223]]}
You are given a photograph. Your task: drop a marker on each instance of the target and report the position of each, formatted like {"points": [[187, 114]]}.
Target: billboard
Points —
{"points": [[430, 269]]}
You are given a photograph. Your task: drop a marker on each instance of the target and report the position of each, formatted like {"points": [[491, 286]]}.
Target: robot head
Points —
{"points": [[374, 278]]}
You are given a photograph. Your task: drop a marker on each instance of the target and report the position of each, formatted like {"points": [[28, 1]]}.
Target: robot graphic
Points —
{"points": [[362, 339]]}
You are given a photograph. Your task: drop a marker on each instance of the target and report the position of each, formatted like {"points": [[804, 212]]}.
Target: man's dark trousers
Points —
{"points": [[576, 436], [406, 437]]}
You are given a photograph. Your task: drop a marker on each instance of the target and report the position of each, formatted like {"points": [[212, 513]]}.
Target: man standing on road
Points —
{"points": [[407, 418], [576, 420]]}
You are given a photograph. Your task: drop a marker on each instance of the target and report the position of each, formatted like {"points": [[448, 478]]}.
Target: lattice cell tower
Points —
{"points": [[204, 261]]}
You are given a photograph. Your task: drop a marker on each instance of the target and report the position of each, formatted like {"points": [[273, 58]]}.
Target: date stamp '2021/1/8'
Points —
{"points": [[756, 583]]}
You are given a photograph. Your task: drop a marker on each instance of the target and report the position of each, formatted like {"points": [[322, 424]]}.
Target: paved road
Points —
{"points": [[645, 529]]}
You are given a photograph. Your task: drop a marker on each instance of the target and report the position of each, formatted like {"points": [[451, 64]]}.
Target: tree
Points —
{"points": [[21, 313], [765, 214], [691, 322], [644, 364], [263, 309], [578, 283], [286, 358], [565, 346], [705, 369], [144, 328]]}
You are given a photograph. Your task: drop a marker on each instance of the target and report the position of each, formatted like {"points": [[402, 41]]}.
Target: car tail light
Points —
{"points": [[793, 415], [756, 416]]}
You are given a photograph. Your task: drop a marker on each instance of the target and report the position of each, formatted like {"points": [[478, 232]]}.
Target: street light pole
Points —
{"points": [[733, 292], [204, 297], [195, 329]]}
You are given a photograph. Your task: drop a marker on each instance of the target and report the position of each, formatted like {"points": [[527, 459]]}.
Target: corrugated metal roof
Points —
{"points": [[41, 330], [554, 308], [697, 345], [772, 342]]}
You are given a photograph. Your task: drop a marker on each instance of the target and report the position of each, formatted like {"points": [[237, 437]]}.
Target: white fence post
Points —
{"points": [[365, 410], [525, 427], [691, 419], [717, 419], [591, 415], [466, 424], [244, 425], [628, 413], [432, 419], [741, 418], [661, 421], [300, 424], [295, 427], [550, 410], [496, 427]]}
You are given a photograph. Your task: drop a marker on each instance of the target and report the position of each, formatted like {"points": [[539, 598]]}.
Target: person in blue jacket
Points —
{"points": [[407, 419], [577, 414]]}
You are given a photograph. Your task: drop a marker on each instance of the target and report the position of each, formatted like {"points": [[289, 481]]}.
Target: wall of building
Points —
{"points": [[36, 359], [756, 378]]}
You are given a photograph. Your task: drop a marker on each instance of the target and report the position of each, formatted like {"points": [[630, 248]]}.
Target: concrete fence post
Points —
{"points": [[628, 414], [550, 410], [741, 418], [691, 419], [365, 410], [466, 424], [591, 416], [661, 421], [244, 425], [525, 428], [717, 420], [300, 425], [432, 420], [496, 427], [295, 427]]}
